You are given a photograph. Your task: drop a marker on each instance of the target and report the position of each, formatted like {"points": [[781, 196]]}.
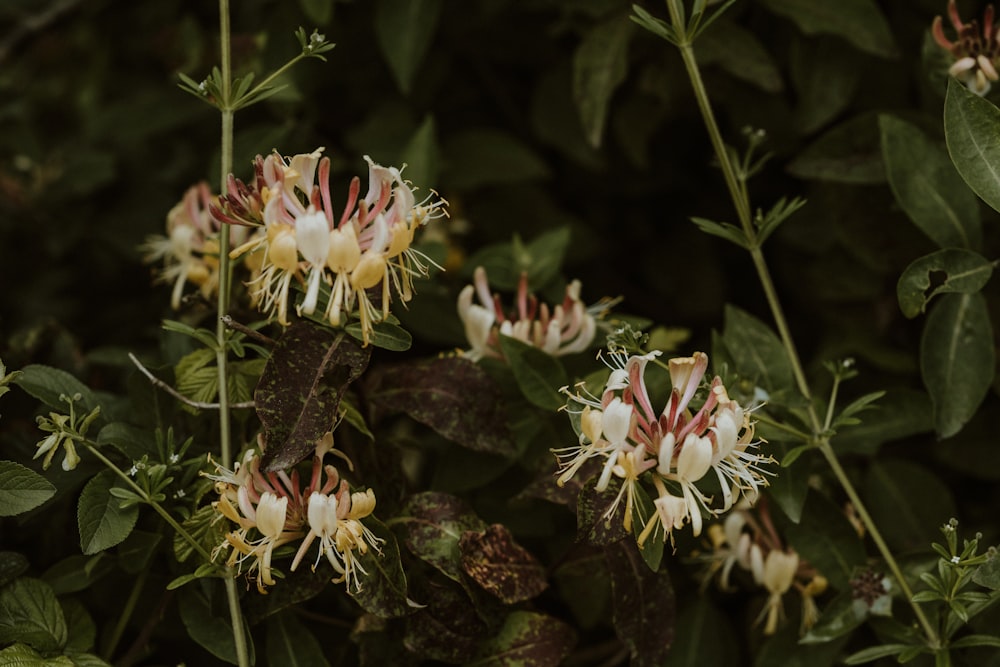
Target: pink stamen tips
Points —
{"points": [[352, 201]]}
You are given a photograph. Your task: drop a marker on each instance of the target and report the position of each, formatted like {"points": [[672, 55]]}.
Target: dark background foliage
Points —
{"points": [[97, 143]]}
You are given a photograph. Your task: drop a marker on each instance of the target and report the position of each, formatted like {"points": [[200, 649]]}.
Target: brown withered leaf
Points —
{"points": [[452, 395], [300, 389], [500, 565], [643, 604]]}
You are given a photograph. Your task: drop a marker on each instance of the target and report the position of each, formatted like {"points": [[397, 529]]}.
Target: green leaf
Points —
{"points": [[495, 561], [527, 638], [452, 395], [405, 30], [48, 384], [952, 270], [485, 156], [927, 187], [290, 644], [600, 64], [847, 153], [538, 375], [21, 489], [300, 389], [756, 351], [972, 131], [30, 613], [860, 22], [432, 525], [383, 588], [907, 502], [102, 522], [642, 603], [213, 631], [957, 359], [22, 655]]}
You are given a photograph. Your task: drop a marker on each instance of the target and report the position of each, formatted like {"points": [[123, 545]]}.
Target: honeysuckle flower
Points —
{"points": [[361, 252], [567, 328], [976, 51], [673, 449], [190, 250]]}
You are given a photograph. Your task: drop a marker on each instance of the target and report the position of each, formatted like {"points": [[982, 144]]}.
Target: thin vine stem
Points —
{"points": [[741, 202], [225, 279]]}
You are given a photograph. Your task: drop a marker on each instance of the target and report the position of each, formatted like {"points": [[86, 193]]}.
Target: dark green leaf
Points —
{"points": [[972, 130], [500, 565], [860, 22], [600, 64], [452, 395], [927, 186], [957, 359], [21, 489], [299, 391], [405, 29], [539, 375], [102, 522], [756, 351], [213, 631], [432, 525], [30, 613], [290, 644], [643, 604], [907, 502], [951, 270], [527, 638], [383, 588], [48, 384]]}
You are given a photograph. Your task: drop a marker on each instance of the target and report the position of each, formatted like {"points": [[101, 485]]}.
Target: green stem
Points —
{"points": [[742, 203], [225, 276], [139, 491], [123, 620]]}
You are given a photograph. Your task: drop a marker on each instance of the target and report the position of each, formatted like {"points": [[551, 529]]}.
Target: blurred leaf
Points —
{"points": [[432, 525], [703, 637], [946, 271], [756, 351], [452, 395], [103, 523], [826, 76], [405, 30], [527, 638], [22, 489], [828, 541], [12, 565], [539, 375], [860, 22], [972, 131], [600, 64], [847, 153], [30, 613], [643, 604], [47, 384], [300, 389], [957, 359], [500, 565], [486, 156], [908, 503], [212, 631], [737, 51], [290, 644], [927, 186], [383, 587]]}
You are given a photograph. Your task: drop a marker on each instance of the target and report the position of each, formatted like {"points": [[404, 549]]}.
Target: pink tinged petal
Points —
{"points": [[695, 458], [271, 515], [665, 456], [617, 421]]}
